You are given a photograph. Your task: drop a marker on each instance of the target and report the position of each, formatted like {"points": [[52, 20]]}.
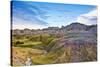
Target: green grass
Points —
{"points": [[33, 43], [43, 49]]}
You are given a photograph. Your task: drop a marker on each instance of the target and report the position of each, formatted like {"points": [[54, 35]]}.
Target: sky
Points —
{"points": [[38, 15]]}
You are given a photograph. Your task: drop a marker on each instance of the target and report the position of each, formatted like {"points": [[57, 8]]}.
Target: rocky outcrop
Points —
{"points": [[75, 49], [56, 30]]}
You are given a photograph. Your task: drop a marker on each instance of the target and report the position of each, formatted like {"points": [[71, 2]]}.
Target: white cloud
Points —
{"points": [[89, 18], [20, 24], [29, 26]]}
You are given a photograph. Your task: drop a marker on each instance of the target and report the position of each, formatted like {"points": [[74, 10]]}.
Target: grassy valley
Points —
{"points": [[46, 48]]}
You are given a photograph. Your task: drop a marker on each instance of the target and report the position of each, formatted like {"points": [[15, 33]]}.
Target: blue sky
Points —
{"points": [[37, 15]]}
